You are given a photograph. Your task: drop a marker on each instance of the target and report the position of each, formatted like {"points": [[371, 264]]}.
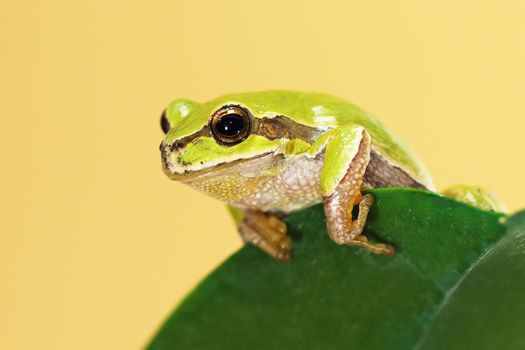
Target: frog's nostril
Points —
{"points": [[176, 146], [165, 150]]}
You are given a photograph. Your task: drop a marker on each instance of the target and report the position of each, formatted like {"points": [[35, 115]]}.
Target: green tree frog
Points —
{"points": [[271, 153]]}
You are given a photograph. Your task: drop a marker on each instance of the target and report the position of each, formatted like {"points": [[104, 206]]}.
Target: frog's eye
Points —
{"points": [[230, 125], [164, 123]]}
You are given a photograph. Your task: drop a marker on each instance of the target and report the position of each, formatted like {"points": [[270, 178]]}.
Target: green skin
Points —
{"points": [[340, 126]]}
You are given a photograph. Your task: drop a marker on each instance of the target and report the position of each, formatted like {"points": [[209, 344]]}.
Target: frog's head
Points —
{"points": [[240, 134], [228, 134]]}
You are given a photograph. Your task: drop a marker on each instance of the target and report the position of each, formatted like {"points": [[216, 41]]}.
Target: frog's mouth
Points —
{"points": [[253, 166]]}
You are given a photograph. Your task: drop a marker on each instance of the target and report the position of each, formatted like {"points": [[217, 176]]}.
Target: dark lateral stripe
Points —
{"points": [[270, 128], [205, 131], [284, 127]]}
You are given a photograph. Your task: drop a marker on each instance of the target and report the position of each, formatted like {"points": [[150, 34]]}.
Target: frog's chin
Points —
{"points": [[254, 166]]}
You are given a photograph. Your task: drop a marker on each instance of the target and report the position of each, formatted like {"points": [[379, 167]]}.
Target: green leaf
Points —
{"points": [[487, 309], [455, 283]]}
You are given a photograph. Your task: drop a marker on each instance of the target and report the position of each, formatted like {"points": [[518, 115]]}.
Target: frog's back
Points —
{"points": [[327, 112]]}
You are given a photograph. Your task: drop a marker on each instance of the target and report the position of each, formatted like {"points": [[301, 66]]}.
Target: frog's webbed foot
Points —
{"points": [[338, 205], [266, 231]]}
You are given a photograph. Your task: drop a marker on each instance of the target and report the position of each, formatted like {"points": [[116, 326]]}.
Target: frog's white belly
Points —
{"points": [[295, 187], [268, 183]]}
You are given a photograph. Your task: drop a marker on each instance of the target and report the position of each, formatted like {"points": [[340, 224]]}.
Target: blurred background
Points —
{"points": [[97, 246]]}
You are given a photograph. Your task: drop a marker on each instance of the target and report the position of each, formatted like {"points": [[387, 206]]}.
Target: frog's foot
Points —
{"points": [[339, 203], [266, 231], [349, 231], [357, 226]]}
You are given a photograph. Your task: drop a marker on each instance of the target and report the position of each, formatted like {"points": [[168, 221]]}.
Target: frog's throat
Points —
{"points": [[254, 166]]}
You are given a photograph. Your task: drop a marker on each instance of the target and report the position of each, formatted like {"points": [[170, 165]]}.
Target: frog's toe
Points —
{"points": [[376, 248], [267, 232]]}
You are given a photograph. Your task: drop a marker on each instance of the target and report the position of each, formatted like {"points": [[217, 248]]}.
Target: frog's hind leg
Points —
{"points": [[476, 196], [267, 232], [342, 190]]}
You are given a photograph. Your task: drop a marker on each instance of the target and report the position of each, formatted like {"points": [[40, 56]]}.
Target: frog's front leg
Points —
{"points": [[267, 232], [346, 158]]}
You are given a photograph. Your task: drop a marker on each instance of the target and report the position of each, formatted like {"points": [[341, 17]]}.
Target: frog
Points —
{"points": [[271, 153]]}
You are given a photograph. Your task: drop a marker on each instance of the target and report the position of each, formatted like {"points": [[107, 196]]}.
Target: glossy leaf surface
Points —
{"points": [[455, 277]]}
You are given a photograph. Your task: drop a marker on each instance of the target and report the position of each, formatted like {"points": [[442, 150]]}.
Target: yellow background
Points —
{"points": [[97, 246]]}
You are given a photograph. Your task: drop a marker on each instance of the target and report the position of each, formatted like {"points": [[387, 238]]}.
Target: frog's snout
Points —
{"points": [[169, 153], [165, 152], [166, 148], [163, 155]]}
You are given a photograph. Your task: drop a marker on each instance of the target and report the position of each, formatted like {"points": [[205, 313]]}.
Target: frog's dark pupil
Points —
{"points": [[164, 124], [230, 124]]}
